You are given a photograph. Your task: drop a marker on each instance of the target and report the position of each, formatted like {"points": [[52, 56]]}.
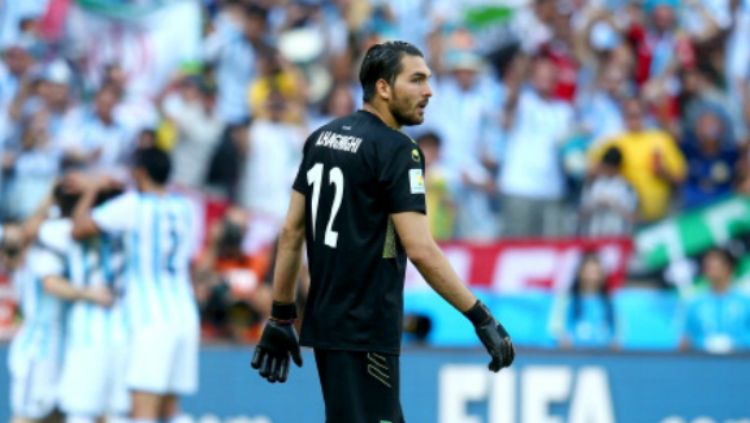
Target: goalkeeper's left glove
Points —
{"points": [[493, 335], [277, 343]]}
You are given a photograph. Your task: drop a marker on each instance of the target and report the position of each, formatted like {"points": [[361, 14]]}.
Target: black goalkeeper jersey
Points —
{"points": [[355, 172]]}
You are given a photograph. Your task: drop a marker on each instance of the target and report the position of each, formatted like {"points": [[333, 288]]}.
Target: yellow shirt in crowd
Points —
{"points": [[441, 213], [640, 152]]}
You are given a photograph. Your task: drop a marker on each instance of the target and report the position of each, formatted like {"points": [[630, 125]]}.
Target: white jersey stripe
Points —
{"points": [[159, 232], [156, 256]]}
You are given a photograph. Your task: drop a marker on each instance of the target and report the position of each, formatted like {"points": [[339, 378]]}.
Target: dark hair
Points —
{"points": [[612, 157], [256, 11], [155, 162], [65, 200], [111, 87], [429, 137], [729, 258], [575, 292], [104, 196], [383, 61]]}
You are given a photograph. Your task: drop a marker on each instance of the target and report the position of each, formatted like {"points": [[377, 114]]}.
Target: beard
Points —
{"points": [[405, 113]]}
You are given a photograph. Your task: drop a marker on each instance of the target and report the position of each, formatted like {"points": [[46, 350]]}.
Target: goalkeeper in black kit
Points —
{"points": [[358, 206]]}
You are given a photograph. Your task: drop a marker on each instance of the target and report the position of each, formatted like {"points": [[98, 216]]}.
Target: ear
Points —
{"points": [[383, 89]]}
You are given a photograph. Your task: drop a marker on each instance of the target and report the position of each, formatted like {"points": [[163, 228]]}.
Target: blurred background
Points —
{"points": [[587, 175]]}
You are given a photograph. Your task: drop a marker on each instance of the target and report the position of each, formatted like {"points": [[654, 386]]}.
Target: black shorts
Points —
{"points": [[359, 387]]}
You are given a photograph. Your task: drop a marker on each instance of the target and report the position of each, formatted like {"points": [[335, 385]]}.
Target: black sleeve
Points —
{"points": [[402, 178], [300, 181]]}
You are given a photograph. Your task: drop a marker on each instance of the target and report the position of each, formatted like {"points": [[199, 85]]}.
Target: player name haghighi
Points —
{"points": [[338, 141]]}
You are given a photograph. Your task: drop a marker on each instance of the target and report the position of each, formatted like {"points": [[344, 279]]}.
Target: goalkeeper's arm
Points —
{"points": [[414, 233], [279, 340]]}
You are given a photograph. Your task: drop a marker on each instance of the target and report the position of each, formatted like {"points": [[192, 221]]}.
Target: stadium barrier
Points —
{"points": [[453, 386], [646, 319]]}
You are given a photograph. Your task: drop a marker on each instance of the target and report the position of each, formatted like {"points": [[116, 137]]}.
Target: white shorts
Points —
{"points": [[164, 359], [93, 381], [33, 389]]}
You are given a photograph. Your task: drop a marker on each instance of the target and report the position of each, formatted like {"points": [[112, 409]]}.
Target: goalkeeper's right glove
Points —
{"points": [[277, 343], [493, 335]]}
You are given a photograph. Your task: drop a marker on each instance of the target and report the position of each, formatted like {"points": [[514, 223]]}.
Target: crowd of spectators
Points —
{"points": [[549, 118]]}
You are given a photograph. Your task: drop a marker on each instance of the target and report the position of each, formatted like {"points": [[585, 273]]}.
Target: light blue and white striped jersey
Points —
{"points": [[158, 231], [41, 334], [97, 261]]}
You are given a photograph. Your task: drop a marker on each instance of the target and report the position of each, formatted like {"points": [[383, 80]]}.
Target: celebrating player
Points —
{"points": [[157, 228], [359, 206], [34, 359], [35, 353], [88, 274]]}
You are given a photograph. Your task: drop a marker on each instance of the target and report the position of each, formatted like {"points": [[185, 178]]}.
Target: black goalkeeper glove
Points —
{"points": [[278, 342], [493, 335]]}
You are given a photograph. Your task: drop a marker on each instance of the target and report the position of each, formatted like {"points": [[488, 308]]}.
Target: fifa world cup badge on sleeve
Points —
{"points": [[416, 181]]}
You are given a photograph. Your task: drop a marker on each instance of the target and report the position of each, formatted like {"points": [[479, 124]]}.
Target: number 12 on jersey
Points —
{"points": [[335, 178]]}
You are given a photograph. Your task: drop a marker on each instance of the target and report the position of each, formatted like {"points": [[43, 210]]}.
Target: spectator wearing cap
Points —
{"points": [[37, 114], [55, 90], [531, 179], [463, 112], [51, 91], [652, 162], [712, 161], [190, 105], [608, 202], [718, 320], [701, 92]]}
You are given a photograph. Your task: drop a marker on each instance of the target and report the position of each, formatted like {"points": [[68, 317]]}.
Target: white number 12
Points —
{"points": [[335, 177]]}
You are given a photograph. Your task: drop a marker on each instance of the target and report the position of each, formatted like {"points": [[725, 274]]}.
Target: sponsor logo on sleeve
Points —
{"points": [[416, 181]]}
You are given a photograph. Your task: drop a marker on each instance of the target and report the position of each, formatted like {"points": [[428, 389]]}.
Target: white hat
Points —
{"points": [[58, 72], [301, 45], [463, 60], [603, 36]]}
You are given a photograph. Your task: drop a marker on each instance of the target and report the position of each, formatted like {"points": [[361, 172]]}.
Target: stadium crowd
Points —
{"points": [[549, 118]]}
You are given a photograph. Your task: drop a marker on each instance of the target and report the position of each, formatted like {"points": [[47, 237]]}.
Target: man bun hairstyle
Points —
{"points": [[383, 61]]}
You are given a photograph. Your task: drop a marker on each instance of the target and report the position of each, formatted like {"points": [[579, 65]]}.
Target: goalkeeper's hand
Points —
{"points": [[493, 335], [277, 343]]}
